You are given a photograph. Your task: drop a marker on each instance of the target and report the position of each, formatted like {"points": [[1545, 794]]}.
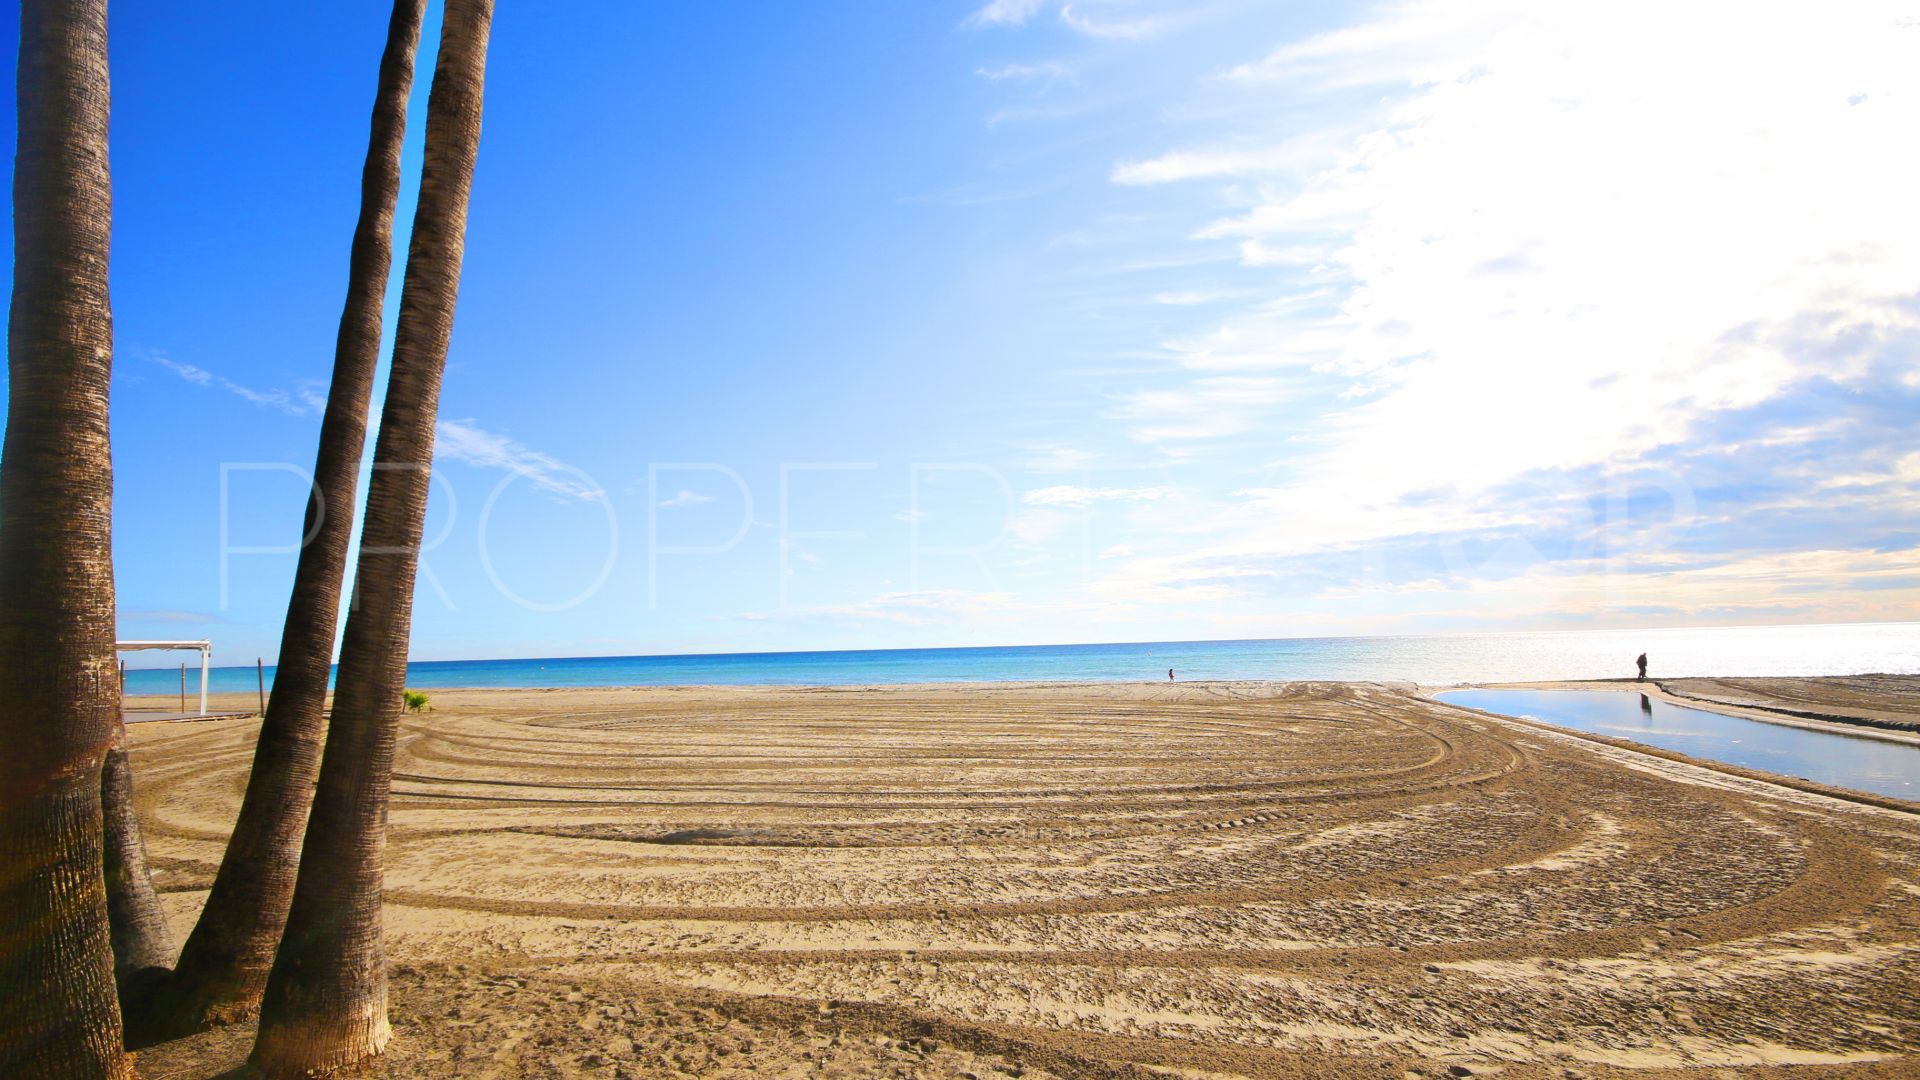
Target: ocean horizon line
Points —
{"points": [[1443, 634], [1429, 659]]}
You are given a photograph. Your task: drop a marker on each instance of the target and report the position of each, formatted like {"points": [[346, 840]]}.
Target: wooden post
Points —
{"points": [[183, 686], [261, 666]]}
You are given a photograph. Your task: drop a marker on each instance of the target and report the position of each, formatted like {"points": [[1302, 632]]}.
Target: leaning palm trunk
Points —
{"points": [[58, 679], [142, 948], [223, 968], [326, 998]]}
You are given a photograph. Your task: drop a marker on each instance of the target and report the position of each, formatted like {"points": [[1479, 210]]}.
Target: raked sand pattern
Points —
{"points": [[1205, 880]]}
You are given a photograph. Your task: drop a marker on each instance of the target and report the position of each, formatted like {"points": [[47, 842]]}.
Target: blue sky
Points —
{"points": [[868, 324]]}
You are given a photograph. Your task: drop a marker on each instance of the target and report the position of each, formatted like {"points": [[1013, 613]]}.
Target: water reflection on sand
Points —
{"points": [[1865, 764]]}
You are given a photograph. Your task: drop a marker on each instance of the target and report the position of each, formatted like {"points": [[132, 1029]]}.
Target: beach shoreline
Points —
{"points": [[1900, 725]]}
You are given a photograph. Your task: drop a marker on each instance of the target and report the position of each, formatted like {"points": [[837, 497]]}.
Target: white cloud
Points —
{"points": [[1126, 29], [1570, 243], [1905, 471], [1579, 246], [1269, 338], [196, 375], [684, 497], [304, 401], [1440, 277], [312, 396], [1049, 72], [1876, 585], [1207, 408], [1289, 156], [1074, 16], [1193, 297], [272, 399], [465, 441], [1005, 13], [1076, 497], [1057, 458], [1411, 44]]}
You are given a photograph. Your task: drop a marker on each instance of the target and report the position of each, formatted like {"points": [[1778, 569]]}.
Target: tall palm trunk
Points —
{"points": [[326, 998], [58, 679], [223, 968]]}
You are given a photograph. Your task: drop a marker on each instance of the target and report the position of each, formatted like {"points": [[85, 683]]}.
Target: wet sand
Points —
{"points": [[1203, 880]]}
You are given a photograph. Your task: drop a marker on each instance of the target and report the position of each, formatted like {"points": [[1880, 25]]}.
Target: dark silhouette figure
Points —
{"points": [[1642, 664], [1169, 674], [1646, 704]]}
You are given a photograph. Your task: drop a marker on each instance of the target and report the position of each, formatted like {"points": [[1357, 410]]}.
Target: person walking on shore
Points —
{"points": [[1641, 663], [1169, 674]]}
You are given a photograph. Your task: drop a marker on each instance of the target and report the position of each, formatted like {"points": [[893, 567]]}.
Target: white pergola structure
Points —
{"points": [[206, 656]]}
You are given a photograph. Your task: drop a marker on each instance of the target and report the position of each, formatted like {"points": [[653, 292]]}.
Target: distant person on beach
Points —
{"points": [[1642, 664], [1169, 674]]}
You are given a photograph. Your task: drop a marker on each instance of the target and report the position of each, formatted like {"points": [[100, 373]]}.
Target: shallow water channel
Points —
{"points": [[1876, 765]]}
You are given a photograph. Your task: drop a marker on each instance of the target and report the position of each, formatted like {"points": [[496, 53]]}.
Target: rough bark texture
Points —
{"points": [[59, 682], [223, 968], [325, 1004], [142, 948]]}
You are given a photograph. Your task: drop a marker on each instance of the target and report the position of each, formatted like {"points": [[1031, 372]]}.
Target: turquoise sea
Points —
{"points": [[1431, 659]]}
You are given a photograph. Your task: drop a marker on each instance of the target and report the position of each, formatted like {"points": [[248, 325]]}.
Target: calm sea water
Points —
{"points": [[1864, 764], [1432, 659]]}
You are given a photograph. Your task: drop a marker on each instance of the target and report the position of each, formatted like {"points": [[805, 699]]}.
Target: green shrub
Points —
{"points": [[415, 700]]}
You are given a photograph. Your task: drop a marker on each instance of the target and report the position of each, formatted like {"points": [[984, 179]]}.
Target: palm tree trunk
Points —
{"points": [[223, 967], [142, 948], [325, 1004], [59, 695]]}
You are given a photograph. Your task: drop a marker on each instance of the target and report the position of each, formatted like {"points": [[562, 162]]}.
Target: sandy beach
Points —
{"points": [[1203, 880]]}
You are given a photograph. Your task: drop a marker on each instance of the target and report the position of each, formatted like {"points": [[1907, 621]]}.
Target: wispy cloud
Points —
{"points": [[1412, 43], [1076, 497], [1195, 297], [1046, 73], [465, 441], [307, 399], [1207, 408], [456, 440], [1293, 155], [199, 376], [1053, 457], [1005, 13], [1083, 17], [684, 497], [1133, 29]]}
